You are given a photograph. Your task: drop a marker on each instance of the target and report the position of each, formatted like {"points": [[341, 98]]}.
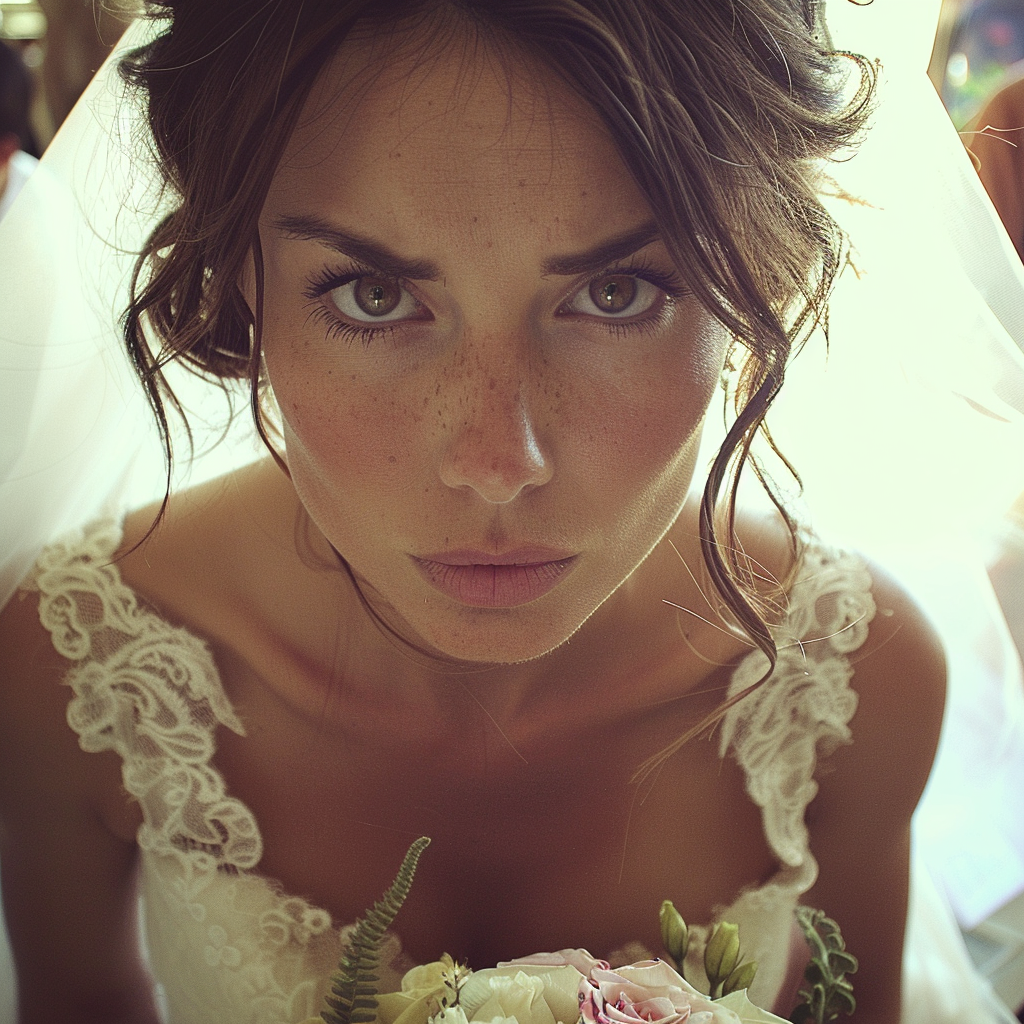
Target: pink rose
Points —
{"points": [[648, 992]]}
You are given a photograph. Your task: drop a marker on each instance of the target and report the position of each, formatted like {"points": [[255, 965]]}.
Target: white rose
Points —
{"points": [[527, 994]]}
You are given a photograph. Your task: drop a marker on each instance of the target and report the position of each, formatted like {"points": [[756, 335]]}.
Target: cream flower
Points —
{"points": [[578, 958], [527, 993], [425, 992]]}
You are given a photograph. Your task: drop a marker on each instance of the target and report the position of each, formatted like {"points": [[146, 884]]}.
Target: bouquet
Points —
{"points": [[572, 987]]}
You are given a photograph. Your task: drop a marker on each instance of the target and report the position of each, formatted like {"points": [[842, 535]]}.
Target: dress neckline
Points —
{"points": [[165, 723]]}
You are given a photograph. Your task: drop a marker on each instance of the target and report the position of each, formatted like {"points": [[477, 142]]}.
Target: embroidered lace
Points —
{"points": [[229, 946]]}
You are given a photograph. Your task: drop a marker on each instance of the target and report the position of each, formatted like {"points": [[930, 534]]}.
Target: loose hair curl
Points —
{"points": [[725, 112]]}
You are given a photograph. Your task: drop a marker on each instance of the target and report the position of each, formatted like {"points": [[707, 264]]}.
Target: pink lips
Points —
{"points": [[495, 581]]}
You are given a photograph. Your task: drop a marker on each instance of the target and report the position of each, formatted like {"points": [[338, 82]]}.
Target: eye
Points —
{"points": [[371, 298], [615, 294]]}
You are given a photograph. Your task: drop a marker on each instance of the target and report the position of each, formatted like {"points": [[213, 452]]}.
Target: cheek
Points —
{"points": [[351, 435], [648, 420]]}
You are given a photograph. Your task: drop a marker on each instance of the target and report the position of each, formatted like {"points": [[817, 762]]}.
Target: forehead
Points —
{"points": [[445, 126]]}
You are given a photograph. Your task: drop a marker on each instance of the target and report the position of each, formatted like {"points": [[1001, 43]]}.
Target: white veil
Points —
{"points": [[909, 436], [76, 434]]}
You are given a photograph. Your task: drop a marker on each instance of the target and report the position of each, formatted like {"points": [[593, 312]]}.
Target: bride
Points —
{"points": [[483, 268]]}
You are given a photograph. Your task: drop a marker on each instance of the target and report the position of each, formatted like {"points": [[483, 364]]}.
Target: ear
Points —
{"points": [[9, 145]]}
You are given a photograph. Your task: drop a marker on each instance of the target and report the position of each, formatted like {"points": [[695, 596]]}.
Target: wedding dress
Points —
{"points": [[229, 946]]}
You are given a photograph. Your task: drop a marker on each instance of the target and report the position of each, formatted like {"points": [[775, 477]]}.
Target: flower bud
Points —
{"points": [[722, 953], [741, 977], [675, 936]]}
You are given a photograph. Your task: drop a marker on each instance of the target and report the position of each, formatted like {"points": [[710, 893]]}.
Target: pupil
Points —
{"points": [[376, 297], [613, 294]]}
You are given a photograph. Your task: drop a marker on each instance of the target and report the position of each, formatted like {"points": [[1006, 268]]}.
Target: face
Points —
{"points": [[491, 376]]}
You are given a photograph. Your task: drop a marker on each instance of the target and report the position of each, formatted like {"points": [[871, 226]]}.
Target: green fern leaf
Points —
{"points": [[827, 992], [353, 998]]}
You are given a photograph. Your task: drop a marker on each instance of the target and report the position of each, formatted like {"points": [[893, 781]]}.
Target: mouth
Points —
{"points": [[484, 580]]}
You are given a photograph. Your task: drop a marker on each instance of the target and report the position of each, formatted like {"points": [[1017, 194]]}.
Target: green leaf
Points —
{"points": [[845, 1000], [741, 978], [827, 992], [843, 962], [353, 998]]}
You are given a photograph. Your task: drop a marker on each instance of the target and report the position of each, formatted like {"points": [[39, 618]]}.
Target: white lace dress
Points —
{"points": [[228, 946]]}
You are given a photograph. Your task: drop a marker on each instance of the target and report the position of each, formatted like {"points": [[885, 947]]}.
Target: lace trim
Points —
{"points": [[150, 692], [777, 732]]}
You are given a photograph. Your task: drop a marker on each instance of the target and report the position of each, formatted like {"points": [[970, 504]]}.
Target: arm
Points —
{"points": [[860, 820], [67, 854]]}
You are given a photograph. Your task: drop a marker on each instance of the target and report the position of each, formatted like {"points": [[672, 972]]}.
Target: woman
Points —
{"points": [[493, 261]]}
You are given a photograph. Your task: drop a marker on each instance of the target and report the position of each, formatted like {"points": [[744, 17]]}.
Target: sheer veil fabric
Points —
{"points": [[76, 434], [909, 436]]}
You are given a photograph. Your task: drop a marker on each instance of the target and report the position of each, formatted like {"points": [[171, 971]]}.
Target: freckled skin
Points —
{"points": [[492, 419]]}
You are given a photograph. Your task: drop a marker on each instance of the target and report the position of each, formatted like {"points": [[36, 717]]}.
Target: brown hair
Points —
{"points": [[723, 113]]}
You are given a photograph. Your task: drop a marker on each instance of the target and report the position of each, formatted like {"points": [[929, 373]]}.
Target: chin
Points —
{"points": [[506, 636]]}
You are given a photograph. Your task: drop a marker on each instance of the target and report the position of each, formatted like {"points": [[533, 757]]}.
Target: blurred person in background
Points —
{"points": [[79, 35], [18, 151], [996, 140]]}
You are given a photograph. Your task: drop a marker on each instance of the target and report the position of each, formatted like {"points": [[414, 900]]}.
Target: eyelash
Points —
{"points": [[329, 279]]}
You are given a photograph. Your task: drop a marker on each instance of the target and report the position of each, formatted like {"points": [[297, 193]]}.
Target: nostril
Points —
{"points": [[496, 456]]}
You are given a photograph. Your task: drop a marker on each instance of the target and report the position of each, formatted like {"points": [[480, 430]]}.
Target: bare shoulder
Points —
{"points": [[67, 837], [899, 678], [900, 682], [40, 758], [859, 822], [177, 564], [208, 549]]}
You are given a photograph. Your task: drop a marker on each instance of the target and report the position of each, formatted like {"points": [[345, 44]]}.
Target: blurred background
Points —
{"points": [[979, 48], [62, 43]]}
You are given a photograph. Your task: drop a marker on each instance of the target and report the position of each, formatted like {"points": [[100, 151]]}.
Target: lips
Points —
{"points": [[485, 580]]}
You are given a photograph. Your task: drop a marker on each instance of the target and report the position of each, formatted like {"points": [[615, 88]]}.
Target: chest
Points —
{"points": [[534, 848]]}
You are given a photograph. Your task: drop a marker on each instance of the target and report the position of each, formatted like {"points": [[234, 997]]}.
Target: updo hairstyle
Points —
{"points": [[724, 112]]}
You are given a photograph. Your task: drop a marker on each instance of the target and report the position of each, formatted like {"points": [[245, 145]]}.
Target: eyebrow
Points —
{"points": [[379, 256], [603, 254]]}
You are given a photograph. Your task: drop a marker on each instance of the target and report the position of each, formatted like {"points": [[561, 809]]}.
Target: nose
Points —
{"points": [[493, 449]]}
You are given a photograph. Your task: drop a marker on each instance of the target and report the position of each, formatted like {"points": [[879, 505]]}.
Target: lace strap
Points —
{"points": [[777, 733], [148, 691]]}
